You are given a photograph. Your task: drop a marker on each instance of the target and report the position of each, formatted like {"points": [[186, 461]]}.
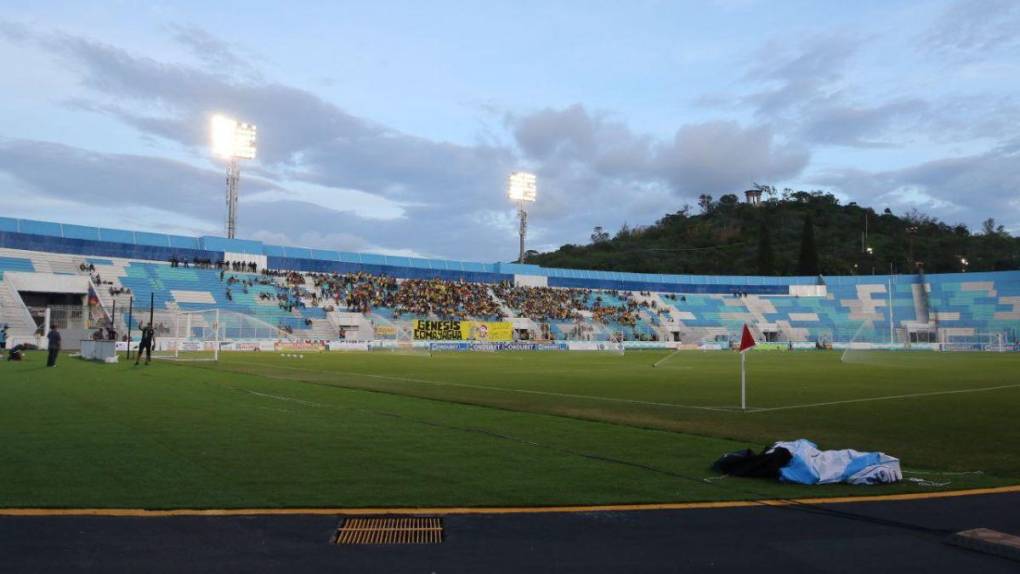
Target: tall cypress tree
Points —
{"points": [[808, 263], [766, 258]]}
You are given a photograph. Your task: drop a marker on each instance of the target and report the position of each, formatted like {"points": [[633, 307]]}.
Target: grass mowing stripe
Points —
{"points": [[486, 432]]}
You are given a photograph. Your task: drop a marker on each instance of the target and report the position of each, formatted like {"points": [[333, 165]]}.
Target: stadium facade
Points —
{"points": [[47, 264]]}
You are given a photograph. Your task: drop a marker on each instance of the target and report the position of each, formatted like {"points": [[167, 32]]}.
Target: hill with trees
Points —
{"points": [[791, 233]]}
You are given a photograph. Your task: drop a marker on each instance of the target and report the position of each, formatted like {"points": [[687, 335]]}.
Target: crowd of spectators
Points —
{"points": [[363, 292], [543, 303], [547, 303], [445, 299], [239, 266], [438, 298], [358, 292]]}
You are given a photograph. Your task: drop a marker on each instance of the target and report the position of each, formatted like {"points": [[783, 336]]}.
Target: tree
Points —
{"points": [[705, 203], [599, 235], [989, 228], [725, 240], [768, 190], [808, 263], [729, 200], [766, 258]]}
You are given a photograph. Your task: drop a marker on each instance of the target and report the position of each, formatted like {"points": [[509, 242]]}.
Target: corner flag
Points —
{"points": [[746, 339], [746, 342]]}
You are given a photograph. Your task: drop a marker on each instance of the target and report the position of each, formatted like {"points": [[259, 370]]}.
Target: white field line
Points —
{"points": [[281, 398], [885, 398], [666, 358], [503, 389]]}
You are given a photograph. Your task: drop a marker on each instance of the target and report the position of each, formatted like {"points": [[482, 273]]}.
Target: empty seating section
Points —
{"points": [[15, 264], [205, 291], [976, 303]]}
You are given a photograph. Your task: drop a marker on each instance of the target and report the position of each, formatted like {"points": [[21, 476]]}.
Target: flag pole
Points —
{"points": [[743, 382], [746, 342], [131, 317]]}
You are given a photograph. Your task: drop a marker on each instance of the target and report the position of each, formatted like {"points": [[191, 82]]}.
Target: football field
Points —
{"points": [[262, 430]]}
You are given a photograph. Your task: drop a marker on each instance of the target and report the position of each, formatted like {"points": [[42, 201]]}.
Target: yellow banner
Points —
{"points": [[438, 330], [463, 330], [487, 330]]}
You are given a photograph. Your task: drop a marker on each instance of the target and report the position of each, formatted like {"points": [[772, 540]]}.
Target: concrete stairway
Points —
{"points": [[14, 314]]}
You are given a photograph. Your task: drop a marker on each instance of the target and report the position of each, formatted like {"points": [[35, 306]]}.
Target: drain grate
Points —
{"points": [[398, 530]]}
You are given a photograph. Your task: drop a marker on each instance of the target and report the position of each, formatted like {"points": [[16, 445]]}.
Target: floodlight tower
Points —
{"points": [[232, 141], [523, 189]]}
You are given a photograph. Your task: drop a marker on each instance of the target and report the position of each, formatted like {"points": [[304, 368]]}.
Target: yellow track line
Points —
{"points": [[141, 512]]}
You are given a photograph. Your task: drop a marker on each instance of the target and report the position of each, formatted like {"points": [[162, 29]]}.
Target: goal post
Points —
{"points": [[201, 335], [396, 336], [193, 336], [990, 341]]}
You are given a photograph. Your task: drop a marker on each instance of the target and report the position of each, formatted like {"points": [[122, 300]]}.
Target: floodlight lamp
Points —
{"points": [[244, 141], [222, 129], [522, 186], [232, 139]]}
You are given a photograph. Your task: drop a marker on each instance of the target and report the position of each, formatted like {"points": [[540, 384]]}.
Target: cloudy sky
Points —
{"points": [[391, 126]]}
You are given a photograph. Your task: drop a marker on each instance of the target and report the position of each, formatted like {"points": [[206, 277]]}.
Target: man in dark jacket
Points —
{"points": [[148, 339], [54, 346]]}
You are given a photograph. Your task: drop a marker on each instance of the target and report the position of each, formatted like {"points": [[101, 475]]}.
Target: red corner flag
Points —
{"points": [[746, 340]]}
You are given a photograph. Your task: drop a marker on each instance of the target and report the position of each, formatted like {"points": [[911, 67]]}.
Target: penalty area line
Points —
{"points": [[502, 389], [885, 398]]}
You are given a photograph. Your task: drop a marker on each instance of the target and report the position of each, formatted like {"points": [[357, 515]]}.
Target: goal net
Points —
{"points": [[607, 340], [870, 342], [995, 342], [201, 335], [396, 336]]}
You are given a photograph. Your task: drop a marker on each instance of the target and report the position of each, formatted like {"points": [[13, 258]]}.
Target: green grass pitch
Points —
{"points": [[488, 429]]}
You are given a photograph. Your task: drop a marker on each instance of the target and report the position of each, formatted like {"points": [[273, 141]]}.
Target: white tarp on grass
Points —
{"points": [[812, 466]]}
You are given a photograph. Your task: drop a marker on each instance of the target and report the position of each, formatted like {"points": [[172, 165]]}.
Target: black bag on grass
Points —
{"points": [[746, 463]]}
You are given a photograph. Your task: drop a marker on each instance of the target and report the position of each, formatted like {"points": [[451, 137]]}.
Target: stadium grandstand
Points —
{"points": [[88, 278]]}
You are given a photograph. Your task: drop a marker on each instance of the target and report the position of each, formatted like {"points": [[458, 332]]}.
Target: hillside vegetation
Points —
{"points": [[791, 233]]}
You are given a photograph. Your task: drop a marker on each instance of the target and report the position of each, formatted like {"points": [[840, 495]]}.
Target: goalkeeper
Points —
{"points": [[148, 340]]}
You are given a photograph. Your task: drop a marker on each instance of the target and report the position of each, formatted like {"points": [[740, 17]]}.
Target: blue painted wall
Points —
{"points": [[94, 241]]}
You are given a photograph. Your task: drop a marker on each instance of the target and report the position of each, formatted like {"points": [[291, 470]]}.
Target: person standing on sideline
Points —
{"points": [[54, 347], [3, 337], [148, 339]]}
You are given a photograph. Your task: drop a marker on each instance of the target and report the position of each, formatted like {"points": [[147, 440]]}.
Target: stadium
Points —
{"points": [[321, 381], [310, 287]]}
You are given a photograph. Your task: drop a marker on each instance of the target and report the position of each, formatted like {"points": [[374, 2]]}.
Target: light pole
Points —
{"points": [[522, 188], [232, 141]]}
